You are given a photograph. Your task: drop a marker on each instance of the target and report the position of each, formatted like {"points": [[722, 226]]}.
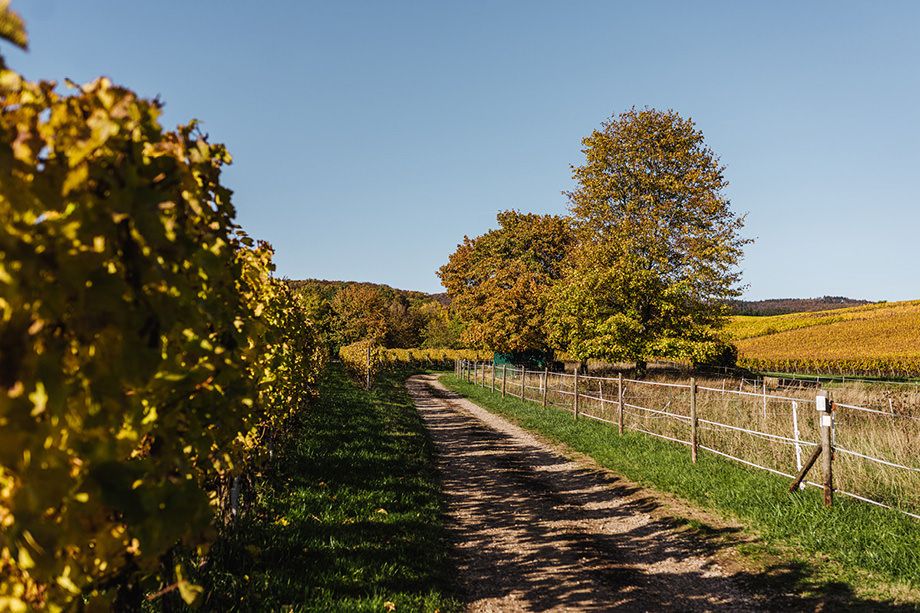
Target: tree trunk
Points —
{"points": [[641, 368]]}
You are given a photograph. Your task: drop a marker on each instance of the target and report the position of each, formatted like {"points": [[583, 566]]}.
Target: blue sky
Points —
{"points": [[369, 137]]}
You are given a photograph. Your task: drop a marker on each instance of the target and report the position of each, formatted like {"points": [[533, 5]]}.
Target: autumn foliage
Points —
{"points": [[497, 281], [658, 249], [146, 348], [644, 267]]}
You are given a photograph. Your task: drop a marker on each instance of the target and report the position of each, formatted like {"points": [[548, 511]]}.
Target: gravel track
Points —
{"points": [[534, 530]]}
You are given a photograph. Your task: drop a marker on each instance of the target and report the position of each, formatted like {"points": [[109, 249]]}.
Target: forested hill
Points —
{"points": [[782, 306], [328, 289], [348, 311]]}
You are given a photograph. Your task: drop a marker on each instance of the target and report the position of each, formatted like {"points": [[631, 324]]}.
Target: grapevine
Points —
{"points": [[146, 347]]}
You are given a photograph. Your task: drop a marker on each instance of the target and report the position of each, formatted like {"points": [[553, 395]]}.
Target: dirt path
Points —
{"points": [[535, 530]]}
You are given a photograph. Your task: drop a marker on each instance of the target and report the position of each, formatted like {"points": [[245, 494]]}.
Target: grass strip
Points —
{"points": [[857, 535], [348, 518]]}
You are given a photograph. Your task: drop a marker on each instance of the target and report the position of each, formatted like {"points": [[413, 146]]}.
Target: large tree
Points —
{"points": [[496, 282], [360, 314], [658, 245]]}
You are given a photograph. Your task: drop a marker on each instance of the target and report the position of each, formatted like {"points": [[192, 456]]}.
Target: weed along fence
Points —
{"points": [[855, 451]]}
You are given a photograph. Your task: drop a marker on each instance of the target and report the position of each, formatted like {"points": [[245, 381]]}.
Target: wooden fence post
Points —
{"points": [[620, 402], [576, 392], [826, 415], [492, 374], [367, 382], [504, 376], [523, 378], [545, 384], [694, 440]]}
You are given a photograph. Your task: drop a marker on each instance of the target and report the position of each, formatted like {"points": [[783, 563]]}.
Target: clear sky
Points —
{"points": [[369, 137]]}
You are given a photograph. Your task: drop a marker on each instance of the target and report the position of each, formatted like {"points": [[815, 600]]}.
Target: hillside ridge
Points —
{"points": [[782, 306], [759, 308]]}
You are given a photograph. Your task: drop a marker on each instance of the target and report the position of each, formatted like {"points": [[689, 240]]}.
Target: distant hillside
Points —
{"points": [[782, 306], [328, 289], [876, 339], [442, 298]]}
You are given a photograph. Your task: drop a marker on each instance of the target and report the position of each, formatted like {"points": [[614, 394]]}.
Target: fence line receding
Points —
{"points": [[858, 452]]}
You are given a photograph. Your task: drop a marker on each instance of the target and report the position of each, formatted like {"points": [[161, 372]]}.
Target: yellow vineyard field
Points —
{"points": [[878, 339]]}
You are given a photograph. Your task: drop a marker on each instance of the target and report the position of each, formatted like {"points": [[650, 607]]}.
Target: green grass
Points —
{"points": [[857, 537], [347, 518]]}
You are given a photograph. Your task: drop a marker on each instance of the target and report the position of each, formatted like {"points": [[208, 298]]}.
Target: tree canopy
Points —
{"points": [[657, 249], [496, 282], [345, 312]]}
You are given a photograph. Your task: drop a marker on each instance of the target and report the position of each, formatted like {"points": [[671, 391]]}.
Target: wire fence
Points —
{"points": [[872, 453]]}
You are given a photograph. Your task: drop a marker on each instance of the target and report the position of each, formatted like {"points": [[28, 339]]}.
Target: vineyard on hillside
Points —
{"points": [[148, 353], [876, 340]]}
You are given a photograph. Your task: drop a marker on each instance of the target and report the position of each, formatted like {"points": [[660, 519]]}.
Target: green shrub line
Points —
{"points": [[348, 515], [855, 534]]}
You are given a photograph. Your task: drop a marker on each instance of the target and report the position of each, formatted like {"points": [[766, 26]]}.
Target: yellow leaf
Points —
{"points": [[189, 591], [39, 399], [25, 559]]}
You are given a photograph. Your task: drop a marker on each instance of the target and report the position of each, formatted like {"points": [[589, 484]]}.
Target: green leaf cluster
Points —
{"points": [[145, 348]]}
